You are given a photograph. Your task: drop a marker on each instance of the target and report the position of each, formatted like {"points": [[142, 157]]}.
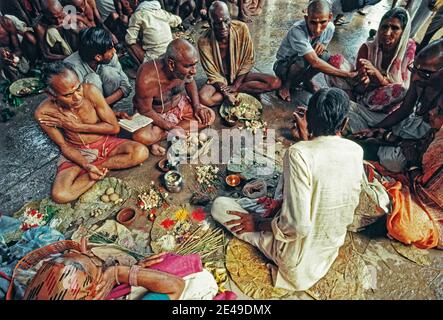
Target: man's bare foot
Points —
{"points": [[311, 86], [157, 150], [284, 94]]}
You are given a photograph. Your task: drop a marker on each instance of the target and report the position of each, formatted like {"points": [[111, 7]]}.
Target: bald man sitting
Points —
{"points": [[165, 91], [227, 55]]}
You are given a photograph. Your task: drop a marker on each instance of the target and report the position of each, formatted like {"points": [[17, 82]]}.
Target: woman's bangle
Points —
{"points": [[133, 275]]}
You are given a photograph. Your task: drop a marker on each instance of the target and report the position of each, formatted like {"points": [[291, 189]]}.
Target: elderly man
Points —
{"points": [[227, 55], [154, 25], [303, 54], [165, 90], [96, 62], [78, 119], [320, 194], [56, 41], [420, 113]]}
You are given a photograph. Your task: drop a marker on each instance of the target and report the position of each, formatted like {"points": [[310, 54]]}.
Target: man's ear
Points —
{"points": [[98, 57], [330, 16], [171, 64], [344, 125]]}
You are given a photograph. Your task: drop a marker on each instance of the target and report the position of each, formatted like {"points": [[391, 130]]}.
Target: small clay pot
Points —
{"points": [[229, 121], [126, 216]]}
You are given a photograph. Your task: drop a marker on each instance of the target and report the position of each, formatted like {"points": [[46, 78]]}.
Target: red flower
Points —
{"points": [[39, 216], [165, 205], [199, 215], [33, 212], [153, 211], [141, 204], [167, 223]]}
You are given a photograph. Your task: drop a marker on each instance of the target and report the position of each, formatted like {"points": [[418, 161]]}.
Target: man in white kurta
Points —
{"points": [[322, 183]]}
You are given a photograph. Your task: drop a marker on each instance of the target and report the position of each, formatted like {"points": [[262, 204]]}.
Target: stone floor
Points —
{"points": [[28, 159]]}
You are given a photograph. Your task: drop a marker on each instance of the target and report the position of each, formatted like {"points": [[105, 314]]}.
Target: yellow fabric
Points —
{"points": [[241, 51], [53, 37]]}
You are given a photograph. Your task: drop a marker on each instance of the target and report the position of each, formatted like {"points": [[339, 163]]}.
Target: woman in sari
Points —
{"points": [[383, 71]]}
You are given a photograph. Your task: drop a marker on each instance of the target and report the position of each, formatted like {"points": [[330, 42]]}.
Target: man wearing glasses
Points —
{"points": [[420, 114], [77, 118]]}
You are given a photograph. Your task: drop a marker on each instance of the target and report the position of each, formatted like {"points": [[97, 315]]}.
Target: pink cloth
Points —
{"points": [[227, 295], [180, 266]]}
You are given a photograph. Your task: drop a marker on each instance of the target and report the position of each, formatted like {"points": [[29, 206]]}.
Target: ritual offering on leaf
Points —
{"points": [[151, 199], [183, 230], [247, 109], [26, 86]]}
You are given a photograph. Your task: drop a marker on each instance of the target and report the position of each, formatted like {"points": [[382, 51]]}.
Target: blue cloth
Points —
{"points": [[8, 225], [298, 43], [155, 296], [32, 239]]}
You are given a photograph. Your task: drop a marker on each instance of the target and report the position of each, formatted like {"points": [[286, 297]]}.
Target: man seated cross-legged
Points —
{"points": [[78, 119]]}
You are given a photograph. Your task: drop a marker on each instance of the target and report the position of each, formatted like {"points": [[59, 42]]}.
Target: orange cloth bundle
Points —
{"points": [[408, 222]]}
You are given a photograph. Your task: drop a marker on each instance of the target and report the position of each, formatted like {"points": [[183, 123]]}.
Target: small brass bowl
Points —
{"points": [[233, 180]]}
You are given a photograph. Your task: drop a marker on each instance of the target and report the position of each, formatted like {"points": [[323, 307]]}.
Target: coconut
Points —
{"points": [[105, 198], [114, 197], [109, 191]]}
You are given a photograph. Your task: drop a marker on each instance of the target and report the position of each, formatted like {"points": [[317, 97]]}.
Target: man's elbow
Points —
{"points": [[115, 130], [178, 287]]}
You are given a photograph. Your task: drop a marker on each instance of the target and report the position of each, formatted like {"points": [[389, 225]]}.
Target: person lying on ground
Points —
{"points": [[227, 56], [321, 190], [165, 91], [78, 120], [302, 53]]}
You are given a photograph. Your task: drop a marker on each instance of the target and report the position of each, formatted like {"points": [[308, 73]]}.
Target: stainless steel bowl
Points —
{"points": [[173, 181]]}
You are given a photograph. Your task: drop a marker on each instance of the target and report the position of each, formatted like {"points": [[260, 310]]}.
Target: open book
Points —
{"points": [[138, 121]]}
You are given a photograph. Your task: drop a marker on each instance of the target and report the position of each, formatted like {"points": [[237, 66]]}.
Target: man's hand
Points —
{"points": [[95, 173], [246, 223], [152, 260], [59, 120], [319, 48], [300, 122], [122, 115], [7, 57], [368, 133], [203, 115]]}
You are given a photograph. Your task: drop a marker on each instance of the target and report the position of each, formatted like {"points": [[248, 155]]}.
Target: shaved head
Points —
{"points": [[319, 7], [218, 8], [178, 49]]}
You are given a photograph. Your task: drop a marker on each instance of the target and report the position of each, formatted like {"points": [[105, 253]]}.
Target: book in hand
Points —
{"points": [[138, 121]]}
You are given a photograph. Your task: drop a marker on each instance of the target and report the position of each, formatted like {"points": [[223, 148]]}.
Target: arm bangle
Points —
{"points": [[133, 274]]}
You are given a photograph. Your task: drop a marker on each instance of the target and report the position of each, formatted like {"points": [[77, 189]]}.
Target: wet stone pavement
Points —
{"points": [[28, 158]]}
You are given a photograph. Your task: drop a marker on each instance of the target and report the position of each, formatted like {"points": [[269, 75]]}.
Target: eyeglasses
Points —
{"points": [[424, 74]]}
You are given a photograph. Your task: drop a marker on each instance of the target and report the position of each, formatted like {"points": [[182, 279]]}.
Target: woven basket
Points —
{"points": [[34, 257]]}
